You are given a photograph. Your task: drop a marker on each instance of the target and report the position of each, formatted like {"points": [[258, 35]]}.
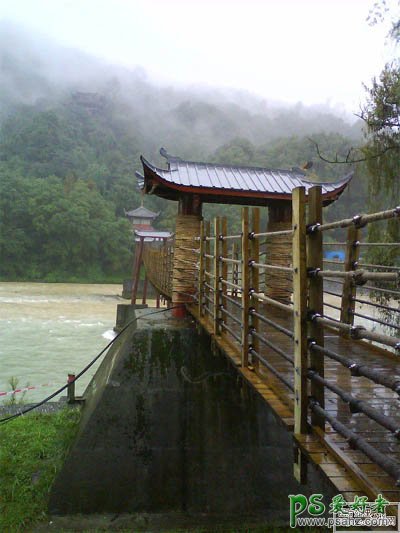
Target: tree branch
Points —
{"points": [[348, 160]]}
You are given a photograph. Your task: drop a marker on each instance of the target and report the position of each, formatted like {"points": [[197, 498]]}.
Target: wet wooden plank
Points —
{"points": [[369, 477]]}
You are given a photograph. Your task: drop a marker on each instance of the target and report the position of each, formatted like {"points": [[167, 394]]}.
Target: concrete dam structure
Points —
{"points": [[169, 429]]}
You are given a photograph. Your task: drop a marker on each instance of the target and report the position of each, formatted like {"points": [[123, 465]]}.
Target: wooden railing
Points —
{"points": [[232, 298], [158, 261]]}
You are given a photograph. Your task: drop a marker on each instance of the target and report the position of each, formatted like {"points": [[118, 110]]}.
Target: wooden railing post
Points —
{"points": [[201, 270], [235, 269], [245, 286], [255, 281], [349, 288], [136, 275], [300, 325], [165, 265], [71, 388], [207, 251], [170, 252], [217, 274], [316, 296], [224, 253]]}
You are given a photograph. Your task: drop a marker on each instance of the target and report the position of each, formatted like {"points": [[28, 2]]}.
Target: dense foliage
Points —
{"points": [[51, 229], [381, 115]]}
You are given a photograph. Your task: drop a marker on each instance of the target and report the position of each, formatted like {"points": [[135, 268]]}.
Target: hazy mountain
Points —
{"points": [[35, 70]]}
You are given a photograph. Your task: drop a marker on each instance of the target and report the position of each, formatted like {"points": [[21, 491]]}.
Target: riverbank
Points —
{"points": [[33, 449], [67, 278], [32, 452]]}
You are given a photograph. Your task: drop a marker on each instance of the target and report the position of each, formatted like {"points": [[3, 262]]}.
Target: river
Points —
{"points": [[48, 330]]}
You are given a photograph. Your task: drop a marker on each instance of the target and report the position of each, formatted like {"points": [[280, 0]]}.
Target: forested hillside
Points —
{"points": [[71, 132]]}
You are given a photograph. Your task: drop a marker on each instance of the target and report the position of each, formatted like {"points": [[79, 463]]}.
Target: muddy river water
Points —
{"points": [[50, 329]]}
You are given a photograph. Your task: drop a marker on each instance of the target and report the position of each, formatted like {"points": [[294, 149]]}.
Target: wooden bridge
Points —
{"points": [[332, 380]]}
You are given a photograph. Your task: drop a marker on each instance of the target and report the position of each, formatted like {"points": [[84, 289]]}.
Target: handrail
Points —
{"points": [[357, 221], [235, 300]]}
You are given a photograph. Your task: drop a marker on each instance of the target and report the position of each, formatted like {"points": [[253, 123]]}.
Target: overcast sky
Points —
{"points": [[314, 51]]}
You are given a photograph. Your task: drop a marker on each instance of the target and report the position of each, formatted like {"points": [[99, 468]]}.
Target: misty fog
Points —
{"points": [[191, 121]]}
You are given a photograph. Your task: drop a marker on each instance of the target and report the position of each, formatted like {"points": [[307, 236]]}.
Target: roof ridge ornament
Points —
{"points": [[299, 170], [167, 156]]}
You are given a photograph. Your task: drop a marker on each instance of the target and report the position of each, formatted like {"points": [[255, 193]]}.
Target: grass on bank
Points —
{"points": [[32, 450]]}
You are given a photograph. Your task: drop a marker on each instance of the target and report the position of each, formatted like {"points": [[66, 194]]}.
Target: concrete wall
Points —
{"points": [[169, 427]]}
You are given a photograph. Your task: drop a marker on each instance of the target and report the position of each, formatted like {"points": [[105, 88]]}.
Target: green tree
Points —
{"points": [[381, 115]]}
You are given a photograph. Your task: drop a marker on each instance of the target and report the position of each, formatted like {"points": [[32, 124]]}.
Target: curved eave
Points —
{"points": [[155, 183]]}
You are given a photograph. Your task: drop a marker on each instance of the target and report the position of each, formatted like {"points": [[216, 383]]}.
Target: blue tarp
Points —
{"points": [[334, 254]]}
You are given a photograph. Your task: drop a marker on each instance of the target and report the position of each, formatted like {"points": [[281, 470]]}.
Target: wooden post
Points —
{"points": [[300, 325], [170, 270], [217, 274], [145, 289], [255, 281], [235, 269], [71, 388], [316, 296], [224, 253], [201, 271], [187, 230], [165, 264], [278, 285], [245, 286], [349, 288], [207, 250], [136, 271]]}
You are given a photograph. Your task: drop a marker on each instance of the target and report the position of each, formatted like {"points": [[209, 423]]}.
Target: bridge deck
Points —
{"points": [[349, 470]]}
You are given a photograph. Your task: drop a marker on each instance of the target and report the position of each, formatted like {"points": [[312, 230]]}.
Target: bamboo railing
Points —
{"points": [[230, 296], [158, 261]]}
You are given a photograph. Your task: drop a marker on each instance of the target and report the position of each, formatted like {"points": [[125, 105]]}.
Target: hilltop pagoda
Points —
{"points": [[193, 183]]}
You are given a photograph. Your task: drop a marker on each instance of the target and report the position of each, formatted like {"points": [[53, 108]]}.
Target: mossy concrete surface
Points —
{"points": [[170, 428]]}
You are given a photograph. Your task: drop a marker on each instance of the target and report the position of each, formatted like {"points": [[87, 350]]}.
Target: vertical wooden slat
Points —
{"points": [[349, 288], [255, 281], [138, 264], [224, 253], [245, 286], [207, 250], [201, 271], [165, 264], [217, 274], [300, 324], [235, 269], [144, 296], [170, 268], [316, 296]]}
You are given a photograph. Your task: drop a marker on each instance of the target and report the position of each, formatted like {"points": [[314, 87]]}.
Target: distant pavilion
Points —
{"points": [[141, 218]]}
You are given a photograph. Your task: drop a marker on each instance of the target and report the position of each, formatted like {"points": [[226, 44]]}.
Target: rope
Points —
{"points": [[202, 377], [278, 285], [85, 369]]}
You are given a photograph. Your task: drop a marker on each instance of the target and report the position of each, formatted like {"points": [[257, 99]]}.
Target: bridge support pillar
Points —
{"points": [[278, 285], [187, 231]]}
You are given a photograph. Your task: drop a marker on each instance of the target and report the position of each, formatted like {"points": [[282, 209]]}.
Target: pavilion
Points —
{"points": [[192, 183]]}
